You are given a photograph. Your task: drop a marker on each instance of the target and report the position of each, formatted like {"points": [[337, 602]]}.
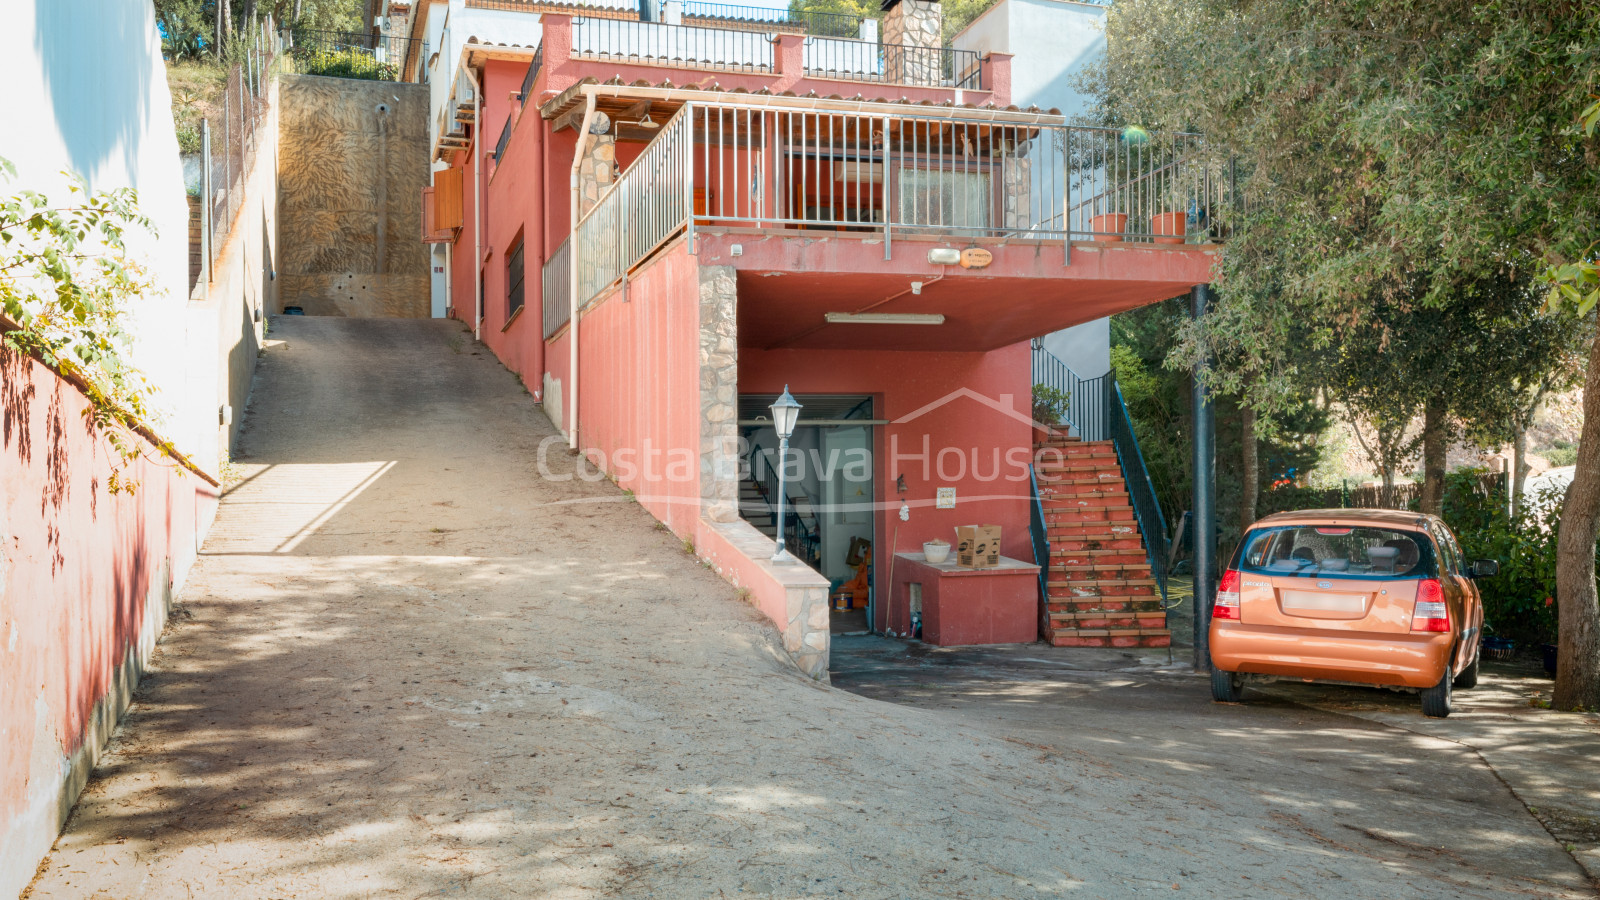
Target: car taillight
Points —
{"points": [[1227, 605], [1431, 613]]}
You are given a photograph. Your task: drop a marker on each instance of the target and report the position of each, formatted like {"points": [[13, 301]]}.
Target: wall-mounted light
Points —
{"points": [[843, 318], [944, 256]]}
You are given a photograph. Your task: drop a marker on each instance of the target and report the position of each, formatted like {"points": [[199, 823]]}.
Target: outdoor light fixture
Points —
{"points": [[944, 256], [785, 412], [843, 318]]}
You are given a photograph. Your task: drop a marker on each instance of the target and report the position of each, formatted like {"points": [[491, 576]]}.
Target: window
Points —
{"points": [[942, 198], [514, 279], [1340, 551]]}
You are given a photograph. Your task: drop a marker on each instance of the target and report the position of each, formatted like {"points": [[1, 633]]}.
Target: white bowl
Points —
{"points": [[936, 551]]}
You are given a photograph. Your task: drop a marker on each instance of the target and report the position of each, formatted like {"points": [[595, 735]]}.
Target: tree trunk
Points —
{"points": [[1519, 467], [296, 19], [1578, 658], [1249, 469], [1434, 445]]}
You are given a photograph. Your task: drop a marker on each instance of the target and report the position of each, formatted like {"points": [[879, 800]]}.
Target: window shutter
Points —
{"points": [[447, 199]]}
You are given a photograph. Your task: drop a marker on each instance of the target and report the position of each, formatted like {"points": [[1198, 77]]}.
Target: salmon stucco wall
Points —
{"points": [[956, 420], [352, 163], [86, 580], [639, 387]]}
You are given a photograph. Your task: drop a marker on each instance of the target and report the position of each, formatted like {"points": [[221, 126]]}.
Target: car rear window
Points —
{"points": [[1339, 551]]}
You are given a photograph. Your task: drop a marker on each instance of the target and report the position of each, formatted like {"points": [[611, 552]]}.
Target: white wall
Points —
{"points": [[86, 91], [1051, 42]]}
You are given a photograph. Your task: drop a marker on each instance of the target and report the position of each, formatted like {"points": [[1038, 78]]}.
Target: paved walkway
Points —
{"points": [[409, 666]]}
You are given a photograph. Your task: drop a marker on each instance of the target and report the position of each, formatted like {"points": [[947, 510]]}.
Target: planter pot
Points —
{"points": [[1109, 228], [1550, 658], [1498, 647], [936, 551], [1169, 227]]}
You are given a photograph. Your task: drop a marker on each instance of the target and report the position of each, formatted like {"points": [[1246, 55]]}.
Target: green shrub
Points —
{"points": [[351, 62], [1050, 404], [1561, 453], [1518, 603]]}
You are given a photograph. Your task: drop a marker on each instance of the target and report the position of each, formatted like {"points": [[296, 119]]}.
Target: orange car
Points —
{"points": [[1353, 596]]}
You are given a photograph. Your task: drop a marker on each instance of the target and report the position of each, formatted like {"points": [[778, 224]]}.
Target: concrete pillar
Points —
{"points": [[1205, 496]]}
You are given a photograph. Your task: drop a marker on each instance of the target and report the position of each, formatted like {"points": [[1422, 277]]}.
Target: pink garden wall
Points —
{"points": [[86, 580]]}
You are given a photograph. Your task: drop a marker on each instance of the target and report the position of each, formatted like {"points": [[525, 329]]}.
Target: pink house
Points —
{"points": [[659, 219]]}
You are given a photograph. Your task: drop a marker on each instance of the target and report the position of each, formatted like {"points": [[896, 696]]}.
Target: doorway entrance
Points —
{"points": [[829, 521]]}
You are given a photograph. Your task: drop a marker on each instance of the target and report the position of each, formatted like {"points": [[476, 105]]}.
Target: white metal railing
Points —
{"points": [[682, 45], [754, 165], [644, 207], [558, 288]]}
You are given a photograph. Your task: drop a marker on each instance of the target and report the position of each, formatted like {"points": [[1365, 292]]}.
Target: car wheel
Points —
{"points": [[1436, 700], [1469, 676], [1227, 687]]}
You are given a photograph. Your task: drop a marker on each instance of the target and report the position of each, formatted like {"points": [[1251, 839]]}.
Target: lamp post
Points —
{"points": [[785, 412]]}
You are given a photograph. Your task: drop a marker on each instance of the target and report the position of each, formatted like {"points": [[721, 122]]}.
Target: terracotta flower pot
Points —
{"points": [[1109, 227], [1168, 227]]}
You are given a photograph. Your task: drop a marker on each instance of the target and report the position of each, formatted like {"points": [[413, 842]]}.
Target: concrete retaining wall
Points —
{"points": [[353, 160]]}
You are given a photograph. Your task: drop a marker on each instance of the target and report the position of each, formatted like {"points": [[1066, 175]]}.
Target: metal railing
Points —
{"points": [[1130, 184], [557, 282], [855, 60], [349, 54], [642, 209], [822, 24], [229, 140], [505, 137], [1141, 492], [751, 164], [1086, 397], [533, 74], [1039, 532], [621, 40]]}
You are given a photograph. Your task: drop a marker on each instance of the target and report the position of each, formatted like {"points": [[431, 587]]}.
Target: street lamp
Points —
{"points": [[785, 412]]}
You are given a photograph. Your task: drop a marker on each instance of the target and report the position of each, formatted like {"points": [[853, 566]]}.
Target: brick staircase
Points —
{"points": [[1101, 591]]}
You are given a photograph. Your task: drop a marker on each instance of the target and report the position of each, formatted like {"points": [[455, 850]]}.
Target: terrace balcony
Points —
{"points": [[827, 205]]}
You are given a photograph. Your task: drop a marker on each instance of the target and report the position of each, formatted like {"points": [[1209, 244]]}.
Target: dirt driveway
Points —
{"points": [[411, 666]]}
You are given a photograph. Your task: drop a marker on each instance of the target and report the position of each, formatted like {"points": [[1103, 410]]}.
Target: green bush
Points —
{"points": [[1518, 603], [351, 62], [1561, 453], [1050, 404]]}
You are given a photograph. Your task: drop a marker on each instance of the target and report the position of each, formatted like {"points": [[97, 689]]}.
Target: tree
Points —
{"points": [[66, 281], [1401, 151]]}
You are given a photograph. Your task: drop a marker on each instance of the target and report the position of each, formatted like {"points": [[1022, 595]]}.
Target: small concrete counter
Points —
{"points": [[960, 606]]}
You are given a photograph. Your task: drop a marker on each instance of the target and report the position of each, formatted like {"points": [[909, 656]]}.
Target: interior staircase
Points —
{"points": [[1100, 589]]}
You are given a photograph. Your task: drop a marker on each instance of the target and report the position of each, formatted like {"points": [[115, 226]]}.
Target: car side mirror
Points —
{"points": [[1483, 568]]}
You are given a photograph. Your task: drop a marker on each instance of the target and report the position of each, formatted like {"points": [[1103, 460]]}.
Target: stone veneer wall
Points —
{"points": [[719, 394], [914, 31], [350, 197]]}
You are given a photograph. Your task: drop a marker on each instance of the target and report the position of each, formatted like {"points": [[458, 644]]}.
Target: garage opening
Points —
{"points": [[829, 485]]}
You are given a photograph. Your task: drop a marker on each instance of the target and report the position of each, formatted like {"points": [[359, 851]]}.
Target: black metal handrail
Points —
{"points": [[1141, 491], [896, 64], [533, 74], [350, 54], [1086, 397], [505, 136], [1040, 533]]}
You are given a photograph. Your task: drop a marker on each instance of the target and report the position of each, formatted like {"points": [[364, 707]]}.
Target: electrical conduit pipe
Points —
{"points": [[574, 299]]}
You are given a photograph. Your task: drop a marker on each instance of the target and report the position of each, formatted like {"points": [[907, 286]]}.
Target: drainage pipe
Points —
{"points": [[477, 204], [573, 298]]}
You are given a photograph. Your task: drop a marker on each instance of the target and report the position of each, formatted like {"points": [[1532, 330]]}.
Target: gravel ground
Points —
{"points": [[408, 666]]}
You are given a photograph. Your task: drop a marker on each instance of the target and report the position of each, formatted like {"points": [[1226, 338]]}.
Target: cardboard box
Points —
{"points": [[978, 546]]}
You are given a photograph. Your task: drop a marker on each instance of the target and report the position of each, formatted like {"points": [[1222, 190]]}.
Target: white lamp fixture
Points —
{"points": [[785, 413], [844, 318], [944, 256]]}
